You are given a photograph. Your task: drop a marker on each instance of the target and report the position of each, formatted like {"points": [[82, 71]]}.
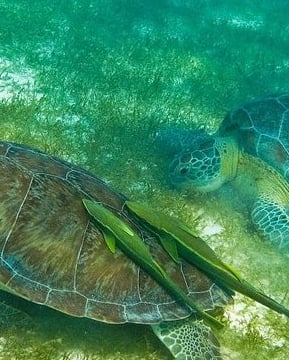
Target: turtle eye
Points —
{"points": [[184, 170]]}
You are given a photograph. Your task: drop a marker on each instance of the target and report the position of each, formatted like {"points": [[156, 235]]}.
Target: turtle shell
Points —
{"points": [[54, 254], [262, 129]]}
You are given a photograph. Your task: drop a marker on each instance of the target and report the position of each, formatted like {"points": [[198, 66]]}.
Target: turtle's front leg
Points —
{"points": [[272, 220]]}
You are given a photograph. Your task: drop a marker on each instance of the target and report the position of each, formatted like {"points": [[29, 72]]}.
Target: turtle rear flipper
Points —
{"points": [[188, 340]]}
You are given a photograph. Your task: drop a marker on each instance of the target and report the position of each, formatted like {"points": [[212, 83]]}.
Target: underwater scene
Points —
{"points": [[181, 105]]}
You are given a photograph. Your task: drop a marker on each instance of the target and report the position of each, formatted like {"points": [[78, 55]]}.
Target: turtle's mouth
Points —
{"points": [[187, 184]]}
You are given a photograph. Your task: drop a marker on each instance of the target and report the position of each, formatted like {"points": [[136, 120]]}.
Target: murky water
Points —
{"points": [[94, 81]]}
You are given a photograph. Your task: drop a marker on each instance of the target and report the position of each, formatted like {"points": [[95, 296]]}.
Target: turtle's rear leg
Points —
{"points": [[188, 339], [272, 220]]}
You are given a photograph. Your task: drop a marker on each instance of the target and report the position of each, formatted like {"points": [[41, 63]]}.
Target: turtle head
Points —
{"points": [[207, 165]]}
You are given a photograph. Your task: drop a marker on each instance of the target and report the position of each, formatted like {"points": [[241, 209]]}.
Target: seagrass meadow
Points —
{"points": [[93, 82]]}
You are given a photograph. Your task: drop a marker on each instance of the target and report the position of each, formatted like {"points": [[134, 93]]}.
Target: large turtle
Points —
{"points": [[58, 233], [248, 138]]}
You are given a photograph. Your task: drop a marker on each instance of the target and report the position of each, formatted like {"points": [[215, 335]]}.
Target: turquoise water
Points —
{"points": [[93, 82]]}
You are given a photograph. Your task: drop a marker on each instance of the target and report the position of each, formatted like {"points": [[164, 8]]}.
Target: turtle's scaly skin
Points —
{"points": [[194, 337], [53, 254], [269, 192]]}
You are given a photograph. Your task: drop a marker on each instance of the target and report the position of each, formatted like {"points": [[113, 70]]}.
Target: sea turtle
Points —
{"points": [[70, 242], [251, 149]]}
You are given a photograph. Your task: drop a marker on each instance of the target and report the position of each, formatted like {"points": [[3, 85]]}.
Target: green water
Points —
{"points": [[93, 82]]}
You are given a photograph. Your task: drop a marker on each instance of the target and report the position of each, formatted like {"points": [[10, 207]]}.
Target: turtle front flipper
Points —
{"points": [[272, 220], [270, 211], [188, 340]]}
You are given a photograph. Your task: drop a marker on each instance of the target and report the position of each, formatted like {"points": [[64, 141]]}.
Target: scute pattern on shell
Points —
{"points": [[52, 253], [262, 128]]}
